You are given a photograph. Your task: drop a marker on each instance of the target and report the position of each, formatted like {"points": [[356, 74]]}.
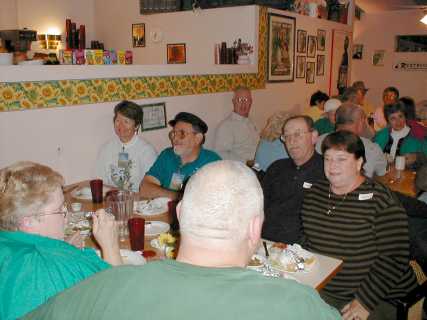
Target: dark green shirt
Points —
{"points": [[172, 290], [323, 125]]}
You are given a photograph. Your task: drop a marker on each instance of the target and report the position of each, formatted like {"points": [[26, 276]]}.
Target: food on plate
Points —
{"points": [[255, 262], [292, 258]]}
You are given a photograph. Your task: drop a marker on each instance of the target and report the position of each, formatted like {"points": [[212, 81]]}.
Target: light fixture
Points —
{"points": [[424, 19], [49, 41]]}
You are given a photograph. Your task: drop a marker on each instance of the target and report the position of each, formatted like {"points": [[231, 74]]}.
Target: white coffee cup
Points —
{"points": [[76, 206], [400, 163]]}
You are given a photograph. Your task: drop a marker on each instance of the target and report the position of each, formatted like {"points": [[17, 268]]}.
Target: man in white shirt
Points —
{"points": [[236, 136], [350, 117]]}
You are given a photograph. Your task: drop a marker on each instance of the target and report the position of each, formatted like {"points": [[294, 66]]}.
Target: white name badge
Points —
{"points": [[365, 196], [306, 185]]}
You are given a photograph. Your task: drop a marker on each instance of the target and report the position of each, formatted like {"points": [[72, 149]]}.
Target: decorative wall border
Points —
{"points": [[17, 96]]}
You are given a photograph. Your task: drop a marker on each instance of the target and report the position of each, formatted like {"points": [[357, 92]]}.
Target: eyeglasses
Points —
{"points": [[63, 211], [179, 134], [296, 135], [242, 100]]}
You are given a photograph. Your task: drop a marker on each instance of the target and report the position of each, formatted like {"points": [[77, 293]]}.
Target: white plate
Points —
{"points": [[256, 258], [153, 207], [85, 193], [129, 257], [154, 228]]}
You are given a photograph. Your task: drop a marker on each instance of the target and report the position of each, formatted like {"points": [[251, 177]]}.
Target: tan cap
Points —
{"points": [[359, 85]]}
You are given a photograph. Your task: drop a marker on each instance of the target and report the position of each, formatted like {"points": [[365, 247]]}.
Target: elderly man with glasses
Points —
{"points": [[286, 179], [236, 136], [177, 163]]}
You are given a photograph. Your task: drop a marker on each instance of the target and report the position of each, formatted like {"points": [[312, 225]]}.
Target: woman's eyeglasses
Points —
{"points": [[63, 211]]}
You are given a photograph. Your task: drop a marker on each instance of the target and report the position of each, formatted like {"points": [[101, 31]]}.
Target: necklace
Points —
{"points": [[332, 207]]}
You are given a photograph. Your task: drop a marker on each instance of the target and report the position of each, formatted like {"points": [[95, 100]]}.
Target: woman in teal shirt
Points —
{"points": [[396, 139], [35, 261]]}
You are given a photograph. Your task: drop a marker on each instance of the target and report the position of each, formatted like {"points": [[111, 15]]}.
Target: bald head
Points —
{"points": [[219, 202]]}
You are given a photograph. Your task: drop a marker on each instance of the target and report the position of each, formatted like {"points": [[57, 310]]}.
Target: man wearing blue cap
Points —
{"points": [[177, 163]]}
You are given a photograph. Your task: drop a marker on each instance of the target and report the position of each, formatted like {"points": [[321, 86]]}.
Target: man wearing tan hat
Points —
{"points": [[327, 123], [361, 91]]}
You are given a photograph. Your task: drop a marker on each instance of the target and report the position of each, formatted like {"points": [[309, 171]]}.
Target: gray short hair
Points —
{"points": [[25, 186], [219, 201]]}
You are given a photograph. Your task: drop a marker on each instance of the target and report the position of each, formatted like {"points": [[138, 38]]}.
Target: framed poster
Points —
{"points": [[320, 65], [321, 40], [378, 58], [311, 47], [301, 41], [358, 51], [311, 69], [138, 35], [176, 53], [281, 48], [340, 64], [300, 68], [154, 116]]}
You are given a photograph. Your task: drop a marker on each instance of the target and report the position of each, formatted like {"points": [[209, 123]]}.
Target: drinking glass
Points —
{"points": [[120, 204]]}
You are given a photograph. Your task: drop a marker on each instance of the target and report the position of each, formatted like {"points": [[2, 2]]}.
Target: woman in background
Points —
{"points": [[35, 261], [317, 103], [271, 147], [123, 161]]}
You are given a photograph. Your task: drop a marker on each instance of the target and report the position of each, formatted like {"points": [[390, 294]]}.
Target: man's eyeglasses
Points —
{"points": [[179, 134], [242, 100], [296, 135], [63, 210]]}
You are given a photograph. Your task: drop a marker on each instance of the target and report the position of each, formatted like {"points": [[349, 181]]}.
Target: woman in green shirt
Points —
{"points": [[35, 261]]}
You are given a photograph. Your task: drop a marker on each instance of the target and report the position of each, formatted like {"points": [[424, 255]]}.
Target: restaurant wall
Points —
{"points": [[68, 138], [8, 15], [377, 32]]}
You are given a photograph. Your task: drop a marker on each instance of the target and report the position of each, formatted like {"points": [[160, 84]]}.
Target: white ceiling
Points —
{"points": [[371, 6]]}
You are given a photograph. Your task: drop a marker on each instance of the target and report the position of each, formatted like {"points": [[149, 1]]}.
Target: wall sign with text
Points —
{"points": [[410, 66]]}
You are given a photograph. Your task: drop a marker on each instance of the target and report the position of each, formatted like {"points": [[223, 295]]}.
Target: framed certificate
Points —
{"points": [[154, 116]]}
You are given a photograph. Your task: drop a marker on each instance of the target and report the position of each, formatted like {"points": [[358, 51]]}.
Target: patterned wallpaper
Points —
{"points": [[47, 94]]}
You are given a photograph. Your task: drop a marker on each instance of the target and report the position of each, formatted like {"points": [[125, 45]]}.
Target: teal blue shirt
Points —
{"points": [[34, 268], [169, 163], [323, 125]]}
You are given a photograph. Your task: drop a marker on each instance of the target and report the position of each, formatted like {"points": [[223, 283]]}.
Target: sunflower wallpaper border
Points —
{"points": [[17, 96]]}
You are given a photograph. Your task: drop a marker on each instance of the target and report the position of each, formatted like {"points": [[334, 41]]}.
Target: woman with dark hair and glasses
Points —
{"points": [[123, 161], [360, 221], [397, 139], [35, 261]]}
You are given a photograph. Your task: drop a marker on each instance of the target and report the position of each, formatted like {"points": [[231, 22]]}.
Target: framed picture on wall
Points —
{"points": [[154, 116], [311, 47], [321, 40], [138, 35], [301, 41], [320, 65], [310, 72], [281, 48], [378, 58], [300, 67], [358, 51], [176, 53]]}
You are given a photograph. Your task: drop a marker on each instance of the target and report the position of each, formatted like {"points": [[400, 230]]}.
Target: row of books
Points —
{"points": [[95, 57]]}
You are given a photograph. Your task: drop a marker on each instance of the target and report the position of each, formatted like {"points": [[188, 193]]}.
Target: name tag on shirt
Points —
{"points": [[365, 196], [176, 181], [306, 185]]}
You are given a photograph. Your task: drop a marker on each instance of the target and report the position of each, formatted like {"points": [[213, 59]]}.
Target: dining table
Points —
{"points": [[323, 271], [404, 184], [88, 206]]}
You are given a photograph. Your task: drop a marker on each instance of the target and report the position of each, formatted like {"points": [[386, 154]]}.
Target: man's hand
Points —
{"points": [[354, 311]]}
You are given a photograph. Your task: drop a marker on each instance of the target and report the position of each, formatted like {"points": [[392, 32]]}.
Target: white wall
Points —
{"points": [[8, 15], [378, 31], [79, 131], [199, 31]]}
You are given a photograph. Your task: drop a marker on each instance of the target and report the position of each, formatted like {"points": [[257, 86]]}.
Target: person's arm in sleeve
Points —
{"points": [[392, 262]]}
